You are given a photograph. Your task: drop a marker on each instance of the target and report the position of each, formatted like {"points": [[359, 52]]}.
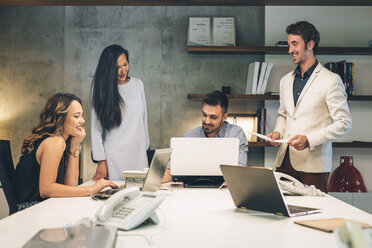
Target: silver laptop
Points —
{"points": [[157, 168], [153, 178], [256, 188], [202, 156]]}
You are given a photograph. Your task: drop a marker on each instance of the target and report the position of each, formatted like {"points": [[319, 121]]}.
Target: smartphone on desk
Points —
{"points": [[128, 208]]}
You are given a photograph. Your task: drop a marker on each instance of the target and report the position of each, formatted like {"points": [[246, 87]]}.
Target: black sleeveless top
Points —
{"points": [[26, 177]]}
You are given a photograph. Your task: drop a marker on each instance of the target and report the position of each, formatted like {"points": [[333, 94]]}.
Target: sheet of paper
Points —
{"points": [[223, 31], [268, 138], [199, 31]]}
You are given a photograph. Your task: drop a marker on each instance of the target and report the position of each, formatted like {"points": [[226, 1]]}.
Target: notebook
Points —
{"points": [[327, 225], [256, 188], [202, 156]]}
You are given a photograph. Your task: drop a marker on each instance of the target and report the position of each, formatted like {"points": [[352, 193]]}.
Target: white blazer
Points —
{"points": [[321, 113]]}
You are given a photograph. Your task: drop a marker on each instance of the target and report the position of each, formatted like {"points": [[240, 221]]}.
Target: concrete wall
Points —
{"points": [[45, 50], [338, 26]]}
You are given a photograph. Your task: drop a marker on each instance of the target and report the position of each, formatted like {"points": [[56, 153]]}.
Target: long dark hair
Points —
{"points": [[106, 99], [51, 119]]}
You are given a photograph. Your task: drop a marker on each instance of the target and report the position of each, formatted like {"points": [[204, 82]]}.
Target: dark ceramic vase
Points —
{"points": [[346, 178]]}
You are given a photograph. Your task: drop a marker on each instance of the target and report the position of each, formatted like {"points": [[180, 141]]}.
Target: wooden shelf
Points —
{"points": [[198, 97], [258, 144], [360, 98], [244, 97], [275, 50], [334, 144], [192, 2], [355, 144]]}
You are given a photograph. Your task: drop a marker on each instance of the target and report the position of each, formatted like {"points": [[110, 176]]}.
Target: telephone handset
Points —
{"points": [[128, 208], [294, 187], [353, 235]]}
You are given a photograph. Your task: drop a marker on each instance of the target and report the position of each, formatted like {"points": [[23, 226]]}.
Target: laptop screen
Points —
{"points": [[156, 171], [254, 188]]}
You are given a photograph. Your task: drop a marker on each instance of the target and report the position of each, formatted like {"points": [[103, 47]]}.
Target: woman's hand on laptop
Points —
{"points": [[100, 185]]}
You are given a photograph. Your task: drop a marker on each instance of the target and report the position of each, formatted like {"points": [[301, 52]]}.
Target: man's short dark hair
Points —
{"points": [[307, 31], [217, 98]]}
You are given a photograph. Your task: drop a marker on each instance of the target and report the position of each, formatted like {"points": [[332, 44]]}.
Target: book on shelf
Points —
{"points": [[261, 121], [261, 77], [341, 71], [262, 90], [258, 77], [253, 138], [253, 70], [258, 114], [331, 66], [350, 78], [346, 72]]}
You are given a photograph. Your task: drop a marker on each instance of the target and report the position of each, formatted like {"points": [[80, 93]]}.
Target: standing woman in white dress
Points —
{"points": [[119, 117]]}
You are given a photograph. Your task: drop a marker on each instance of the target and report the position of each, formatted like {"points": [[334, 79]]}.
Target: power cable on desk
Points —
{"points": [[84, 221], [148, 238], [222, 185], [122, 233], [161, 227]]}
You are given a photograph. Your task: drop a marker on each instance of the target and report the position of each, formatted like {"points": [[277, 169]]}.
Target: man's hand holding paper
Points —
{"points": [[299, 142], [273, 138]]}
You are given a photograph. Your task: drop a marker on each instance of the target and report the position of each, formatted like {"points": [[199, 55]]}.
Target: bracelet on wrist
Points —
{"points": [[74, 154]]}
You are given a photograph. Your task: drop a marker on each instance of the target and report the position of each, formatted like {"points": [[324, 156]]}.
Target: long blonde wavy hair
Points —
{"points": [[51, 119]]}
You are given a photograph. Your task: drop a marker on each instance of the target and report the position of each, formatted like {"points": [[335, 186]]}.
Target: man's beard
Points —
{"points": [[212, 131]]}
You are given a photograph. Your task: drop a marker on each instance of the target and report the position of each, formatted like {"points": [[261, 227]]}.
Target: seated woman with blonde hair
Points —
{"points": [[49, 165]]}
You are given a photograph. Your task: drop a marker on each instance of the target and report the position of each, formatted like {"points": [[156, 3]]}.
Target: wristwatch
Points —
{"points": [[74, 154]]}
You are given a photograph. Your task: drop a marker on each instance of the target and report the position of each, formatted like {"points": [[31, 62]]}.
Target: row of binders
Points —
{"points": [[258, 77]]}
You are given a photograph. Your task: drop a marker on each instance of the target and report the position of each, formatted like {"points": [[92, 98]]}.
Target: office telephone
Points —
{"points": [[294, 187], [128, 208]]}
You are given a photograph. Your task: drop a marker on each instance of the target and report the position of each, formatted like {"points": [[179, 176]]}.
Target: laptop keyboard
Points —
{"points": [[297, 209]]}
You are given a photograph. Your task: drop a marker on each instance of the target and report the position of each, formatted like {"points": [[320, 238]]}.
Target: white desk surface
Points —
{"points": [[191, 218]]}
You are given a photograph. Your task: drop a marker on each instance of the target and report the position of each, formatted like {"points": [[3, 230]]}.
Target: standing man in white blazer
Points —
{"points": [[313, 111]]}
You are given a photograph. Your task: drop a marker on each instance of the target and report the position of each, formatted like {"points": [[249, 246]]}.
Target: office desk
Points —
{"points": [[190, 218]]}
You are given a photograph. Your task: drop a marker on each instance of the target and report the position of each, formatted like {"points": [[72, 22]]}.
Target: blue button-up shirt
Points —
{"points": [[300, 82]]}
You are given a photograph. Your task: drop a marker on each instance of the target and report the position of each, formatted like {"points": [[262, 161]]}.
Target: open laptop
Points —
{"points": [[153, 177], [256, 188], [199, 159], [156, 171]]}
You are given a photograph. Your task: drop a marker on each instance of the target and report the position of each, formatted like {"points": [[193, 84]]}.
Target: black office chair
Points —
{"points": [[6, 174], [150, 155]]}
